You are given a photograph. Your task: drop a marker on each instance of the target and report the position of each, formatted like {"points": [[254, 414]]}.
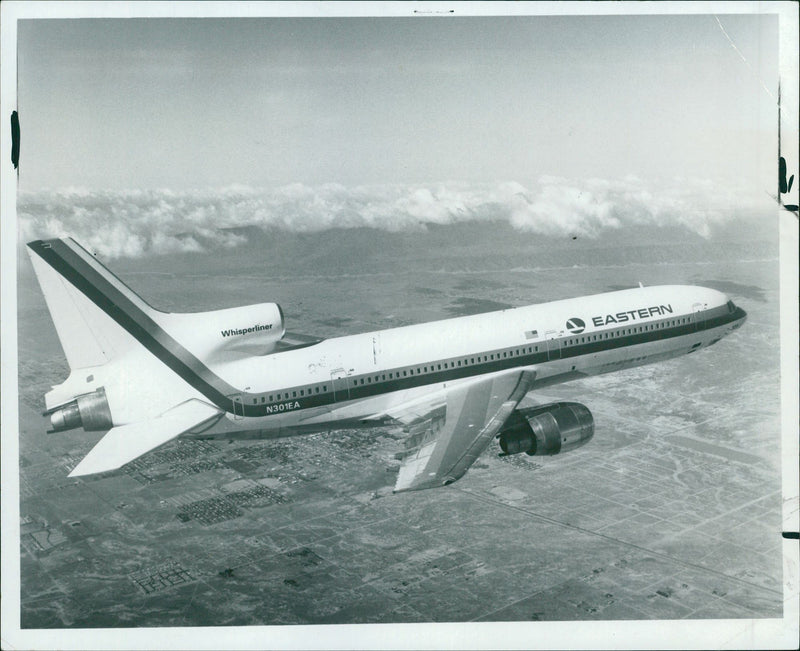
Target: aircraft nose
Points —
{"points": [[738, 315]]}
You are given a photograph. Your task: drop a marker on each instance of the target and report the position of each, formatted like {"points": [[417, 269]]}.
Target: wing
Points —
{"points": [[445, 441], [125, 443]]}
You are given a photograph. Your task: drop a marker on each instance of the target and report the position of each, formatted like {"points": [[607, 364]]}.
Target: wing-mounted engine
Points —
{"points": [[227, 334], [547, 430]]}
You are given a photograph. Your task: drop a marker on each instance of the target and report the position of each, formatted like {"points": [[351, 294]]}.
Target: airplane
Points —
{"points": [[455, 385]]}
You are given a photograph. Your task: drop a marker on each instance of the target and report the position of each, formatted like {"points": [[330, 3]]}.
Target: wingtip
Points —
{"points": [[75, 472], [45, 244], [79, 471], [89, 466]]}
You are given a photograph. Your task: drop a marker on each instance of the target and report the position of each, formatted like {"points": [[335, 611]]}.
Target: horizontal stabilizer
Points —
{"points": [[125, 443]]}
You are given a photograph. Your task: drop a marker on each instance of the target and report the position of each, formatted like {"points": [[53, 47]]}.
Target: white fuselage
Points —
{"points": [[361, 377]]}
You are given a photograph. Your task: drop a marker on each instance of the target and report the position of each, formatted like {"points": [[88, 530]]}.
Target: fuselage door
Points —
{"points": [[553, 345], [238, 406], [697, 308], [376, 348], [341, 385]]}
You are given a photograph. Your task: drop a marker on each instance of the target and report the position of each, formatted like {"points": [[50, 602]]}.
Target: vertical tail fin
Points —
{"points": [[88, 335], [99, 319]]}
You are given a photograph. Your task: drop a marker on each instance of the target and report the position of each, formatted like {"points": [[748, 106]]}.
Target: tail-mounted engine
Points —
{"points": [[547, 430], [89, 411], [238, 331]]}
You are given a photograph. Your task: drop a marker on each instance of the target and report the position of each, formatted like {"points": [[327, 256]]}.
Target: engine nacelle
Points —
{"points": [[247, 330], [547, 430], [90, 411]]}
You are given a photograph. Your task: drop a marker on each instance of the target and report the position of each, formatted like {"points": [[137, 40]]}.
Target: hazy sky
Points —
{"points": [[180, 103]]}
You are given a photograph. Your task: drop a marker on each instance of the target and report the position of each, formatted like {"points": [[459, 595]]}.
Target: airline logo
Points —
{"points": [[575, 325], [632, 315]]}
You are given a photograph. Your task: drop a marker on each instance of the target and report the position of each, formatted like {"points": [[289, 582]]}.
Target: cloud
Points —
{"points": [[141, 222]]}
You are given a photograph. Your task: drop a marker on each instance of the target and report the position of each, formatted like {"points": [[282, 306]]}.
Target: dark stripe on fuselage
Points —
{"points": [[525, 359], [130, 316]]}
